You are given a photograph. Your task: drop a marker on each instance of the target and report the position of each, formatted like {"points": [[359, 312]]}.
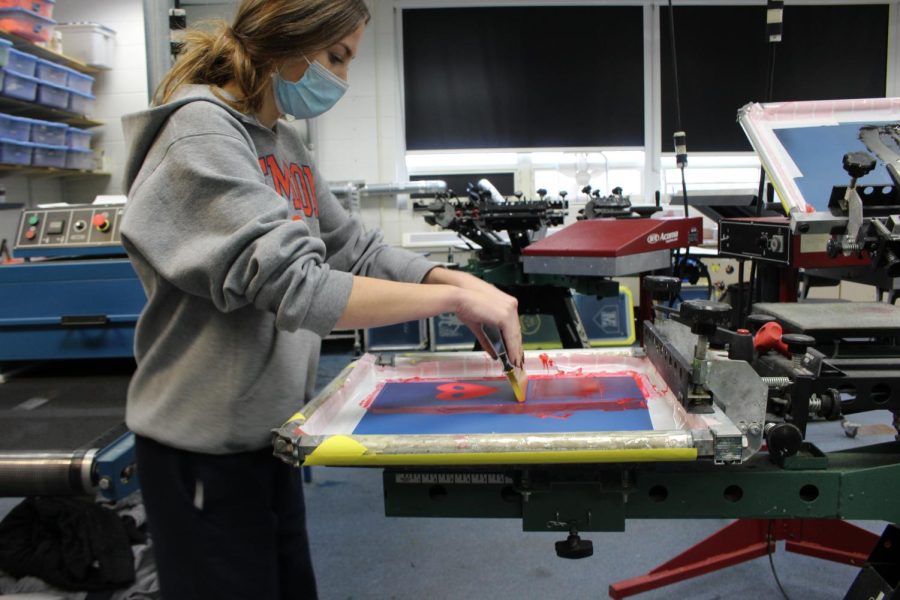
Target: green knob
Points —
{"points": [[34, 220]]}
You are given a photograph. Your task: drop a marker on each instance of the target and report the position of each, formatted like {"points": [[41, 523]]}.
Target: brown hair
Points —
{"points": [[264, 33]]}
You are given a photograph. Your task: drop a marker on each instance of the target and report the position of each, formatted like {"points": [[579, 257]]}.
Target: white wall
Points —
{"points": [[360, 137], [119, 91], [209, 10]]}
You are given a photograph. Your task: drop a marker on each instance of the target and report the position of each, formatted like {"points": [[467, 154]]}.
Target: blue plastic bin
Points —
{"points": [[80, 103], [83, 160], [45, 132], [15, 153], [15, 128], [56, 96], [79, 139], [19, 86], [79, 82], [21, 63], [51, 72], [46, 155]]}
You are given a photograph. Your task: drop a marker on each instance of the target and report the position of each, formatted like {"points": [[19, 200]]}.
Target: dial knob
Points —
{"points": [[662, 287], [797, 343], [858, 164], [704, 315]]}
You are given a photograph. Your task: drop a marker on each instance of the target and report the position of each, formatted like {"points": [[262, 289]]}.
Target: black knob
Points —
{"points": [[542, 192], [756, 321], [586, 189], [563, 194], [617, 191], [858, 164], [784, 440], [831, 404], [662, 287], [797, 343], [574, 547], [704, 316]]}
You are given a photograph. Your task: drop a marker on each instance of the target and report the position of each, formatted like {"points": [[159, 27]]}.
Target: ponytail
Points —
{"points": [[264, 32]]}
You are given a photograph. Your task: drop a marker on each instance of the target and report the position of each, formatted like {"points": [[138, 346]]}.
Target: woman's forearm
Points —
{"points": [[377, 302]]}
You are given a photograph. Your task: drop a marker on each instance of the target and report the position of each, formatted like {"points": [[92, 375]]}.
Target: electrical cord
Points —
{"points": [[774, 28], [770, 545], [680, 138]]}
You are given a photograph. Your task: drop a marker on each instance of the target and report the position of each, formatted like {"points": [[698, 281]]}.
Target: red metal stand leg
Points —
{"points": [[739, 542], [746, 539], [833, 540]]}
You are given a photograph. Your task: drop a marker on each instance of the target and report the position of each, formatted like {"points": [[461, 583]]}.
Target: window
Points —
{"points": [[827, 52], [523, 77]]}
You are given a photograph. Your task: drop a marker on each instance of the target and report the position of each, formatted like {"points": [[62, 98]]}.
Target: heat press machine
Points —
{"points": [[702, 421], [67, 318], [517, 253]]}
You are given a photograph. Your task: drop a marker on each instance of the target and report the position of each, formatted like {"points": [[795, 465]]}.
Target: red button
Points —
{"points": [[101, 222], [30, 234]]}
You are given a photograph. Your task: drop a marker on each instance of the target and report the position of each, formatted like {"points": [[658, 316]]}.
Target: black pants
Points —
{"points": [[225, 526]]}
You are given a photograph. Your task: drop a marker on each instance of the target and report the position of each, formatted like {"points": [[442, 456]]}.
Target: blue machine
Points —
{"points": [[65, 309], [65, 305], [76, 297]]}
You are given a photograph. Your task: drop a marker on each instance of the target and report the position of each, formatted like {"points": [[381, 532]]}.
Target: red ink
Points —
{"points": [[545, 410], [546, 360], [463, 391], [368, 400]]}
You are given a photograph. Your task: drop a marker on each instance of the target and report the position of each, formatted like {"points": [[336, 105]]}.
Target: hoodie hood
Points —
{"points": [[142, 128]]}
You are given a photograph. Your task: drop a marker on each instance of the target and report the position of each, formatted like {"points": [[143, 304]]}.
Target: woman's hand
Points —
{"points": [[482, 303]]}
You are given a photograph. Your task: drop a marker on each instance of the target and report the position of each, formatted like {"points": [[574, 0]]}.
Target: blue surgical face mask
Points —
{"points": [[318, 90]]}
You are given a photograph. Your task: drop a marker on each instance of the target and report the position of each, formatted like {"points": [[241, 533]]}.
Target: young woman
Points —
{"points": [[248, 260]]}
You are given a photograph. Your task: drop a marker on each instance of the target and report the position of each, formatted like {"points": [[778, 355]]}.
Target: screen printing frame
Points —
{"points": [[306, 438], [761, 121]]}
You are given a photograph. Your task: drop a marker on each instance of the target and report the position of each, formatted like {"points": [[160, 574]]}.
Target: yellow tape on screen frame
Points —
{"points": [[344, 451]]}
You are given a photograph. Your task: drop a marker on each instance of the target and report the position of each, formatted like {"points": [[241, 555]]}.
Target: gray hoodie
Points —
{"points": [[246, 258]]}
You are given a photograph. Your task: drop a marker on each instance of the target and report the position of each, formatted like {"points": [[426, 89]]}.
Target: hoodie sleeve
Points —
{"points": [[206, 221], [351, 248]]}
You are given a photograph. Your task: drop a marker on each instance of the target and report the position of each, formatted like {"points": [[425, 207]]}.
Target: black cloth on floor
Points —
{"points": [[71, 543]]}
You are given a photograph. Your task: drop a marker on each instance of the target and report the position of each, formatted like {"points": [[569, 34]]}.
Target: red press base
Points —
{"points": [[746, 539]]}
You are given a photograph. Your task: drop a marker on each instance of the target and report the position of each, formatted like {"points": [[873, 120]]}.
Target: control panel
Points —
{"points": [[71, 230], [760, 239]]}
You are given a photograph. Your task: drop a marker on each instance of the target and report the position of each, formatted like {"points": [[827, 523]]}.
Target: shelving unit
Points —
{"points": [[49, 172], [21, 108], [24, 45]]}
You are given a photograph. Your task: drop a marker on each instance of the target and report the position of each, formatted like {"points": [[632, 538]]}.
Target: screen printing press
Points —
{"points": [[704, 419], [682, 428], [67, 318]]}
